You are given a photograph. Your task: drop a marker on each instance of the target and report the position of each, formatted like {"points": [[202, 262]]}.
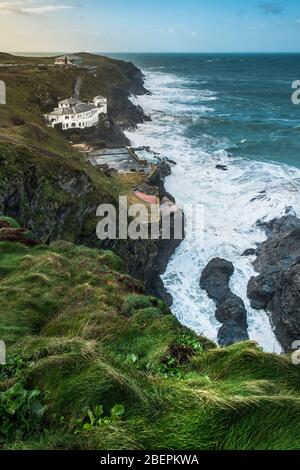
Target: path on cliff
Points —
{"points": [[77, 88]]}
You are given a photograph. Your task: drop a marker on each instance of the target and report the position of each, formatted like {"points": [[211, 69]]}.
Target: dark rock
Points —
{"points": [[148, 189], [230, 308], [106, 131], [215, 279], [158, 176], [231, 333], [277, 288], [249, 252], [222, 167], [171, 162], [170, 197]]}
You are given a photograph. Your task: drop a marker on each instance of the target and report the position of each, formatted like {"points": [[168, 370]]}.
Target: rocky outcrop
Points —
{"points": [[249, 252], [147, 260], [230, 310], [125, 113], [277, 288], [107, 132]]}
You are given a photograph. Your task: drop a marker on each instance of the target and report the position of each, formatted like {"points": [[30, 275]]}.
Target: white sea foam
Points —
{"points": [[233, 202]]}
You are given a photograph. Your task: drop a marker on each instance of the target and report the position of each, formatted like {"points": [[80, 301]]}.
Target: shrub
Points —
{"points": [[8, 220], [13, 367], [21, 412], [93, 418], [17, 121], [134, 302]]}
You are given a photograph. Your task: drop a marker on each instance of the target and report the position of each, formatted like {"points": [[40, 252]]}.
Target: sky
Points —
{"points": [[150, 26]]}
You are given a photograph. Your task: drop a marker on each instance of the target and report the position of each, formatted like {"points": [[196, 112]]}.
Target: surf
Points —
{"points": [[233, 200]]}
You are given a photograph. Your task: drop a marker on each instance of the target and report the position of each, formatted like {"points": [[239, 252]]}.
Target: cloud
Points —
{"points": [[29, 7], [271, 8]]}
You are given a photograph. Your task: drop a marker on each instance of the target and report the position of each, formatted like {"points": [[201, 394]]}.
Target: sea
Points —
{"points": [[233, 110]]}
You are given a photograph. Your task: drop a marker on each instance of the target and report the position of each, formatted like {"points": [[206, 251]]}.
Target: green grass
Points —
{"points": [[83, 332]]}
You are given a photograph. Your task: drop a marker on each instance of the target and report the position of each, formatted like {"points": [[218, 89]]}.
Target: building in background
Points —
{"points": [[70, 61]]}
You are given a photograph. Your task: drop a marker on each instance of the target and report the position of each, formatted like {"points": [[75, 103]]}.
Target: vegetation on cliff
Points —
{"points": [[95, 363]]}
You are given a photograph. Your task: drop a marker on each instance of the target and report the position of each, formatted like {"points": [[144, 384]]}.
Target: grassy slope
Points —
{"points": [[73, 317]]}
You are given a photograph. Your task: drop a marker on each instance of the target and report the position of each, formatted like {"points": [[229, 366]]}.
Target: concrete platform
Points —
{"points": [[122, 160]]}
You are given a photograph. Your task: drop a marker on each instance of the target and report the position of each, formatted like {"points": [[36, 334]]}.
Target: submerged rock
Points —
{"points": [[222, 167], [249, 252], [230, 310], [277, 288]]}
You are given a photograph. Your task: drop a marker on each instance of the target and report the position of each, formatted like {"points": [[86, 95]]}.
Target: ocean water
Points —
{"points": [[234, 110]]}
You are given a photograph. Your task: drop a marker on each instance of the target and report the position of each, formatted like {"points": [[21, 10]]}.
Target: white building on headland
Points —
{"points": [[69, 61], [75, 114]]}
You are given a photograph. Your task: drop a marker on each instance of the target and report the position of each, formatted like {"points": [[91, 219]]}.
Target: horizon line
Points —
{"points": [[149, 52]]}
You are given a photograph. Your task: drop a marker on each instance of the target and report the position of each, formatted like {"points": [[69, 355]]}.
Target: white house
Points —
{"points": [[69, 61], [73, 113]]}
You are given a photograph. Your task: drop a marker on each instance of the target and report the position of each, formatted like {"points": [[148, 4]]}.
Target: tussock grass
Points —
{"points": [[86, 337]]}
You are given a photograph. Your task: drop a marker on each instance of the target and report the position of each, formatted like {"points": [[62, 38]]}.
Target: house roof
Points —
{"points": [[70, 102], [100, 97], [69, 56], [61, 112], [83, 108], [77, 109]]}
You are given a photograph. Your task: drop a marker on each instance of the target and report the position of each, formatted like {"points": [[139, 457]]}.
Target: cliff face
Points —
{"points": [[277, 287], [51, 197], [57, 200], [148, 259]]}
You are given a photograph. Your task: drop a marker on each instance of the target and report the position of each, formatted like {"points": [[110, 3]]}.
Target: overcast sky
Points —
{"points": [[150, 26]]}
